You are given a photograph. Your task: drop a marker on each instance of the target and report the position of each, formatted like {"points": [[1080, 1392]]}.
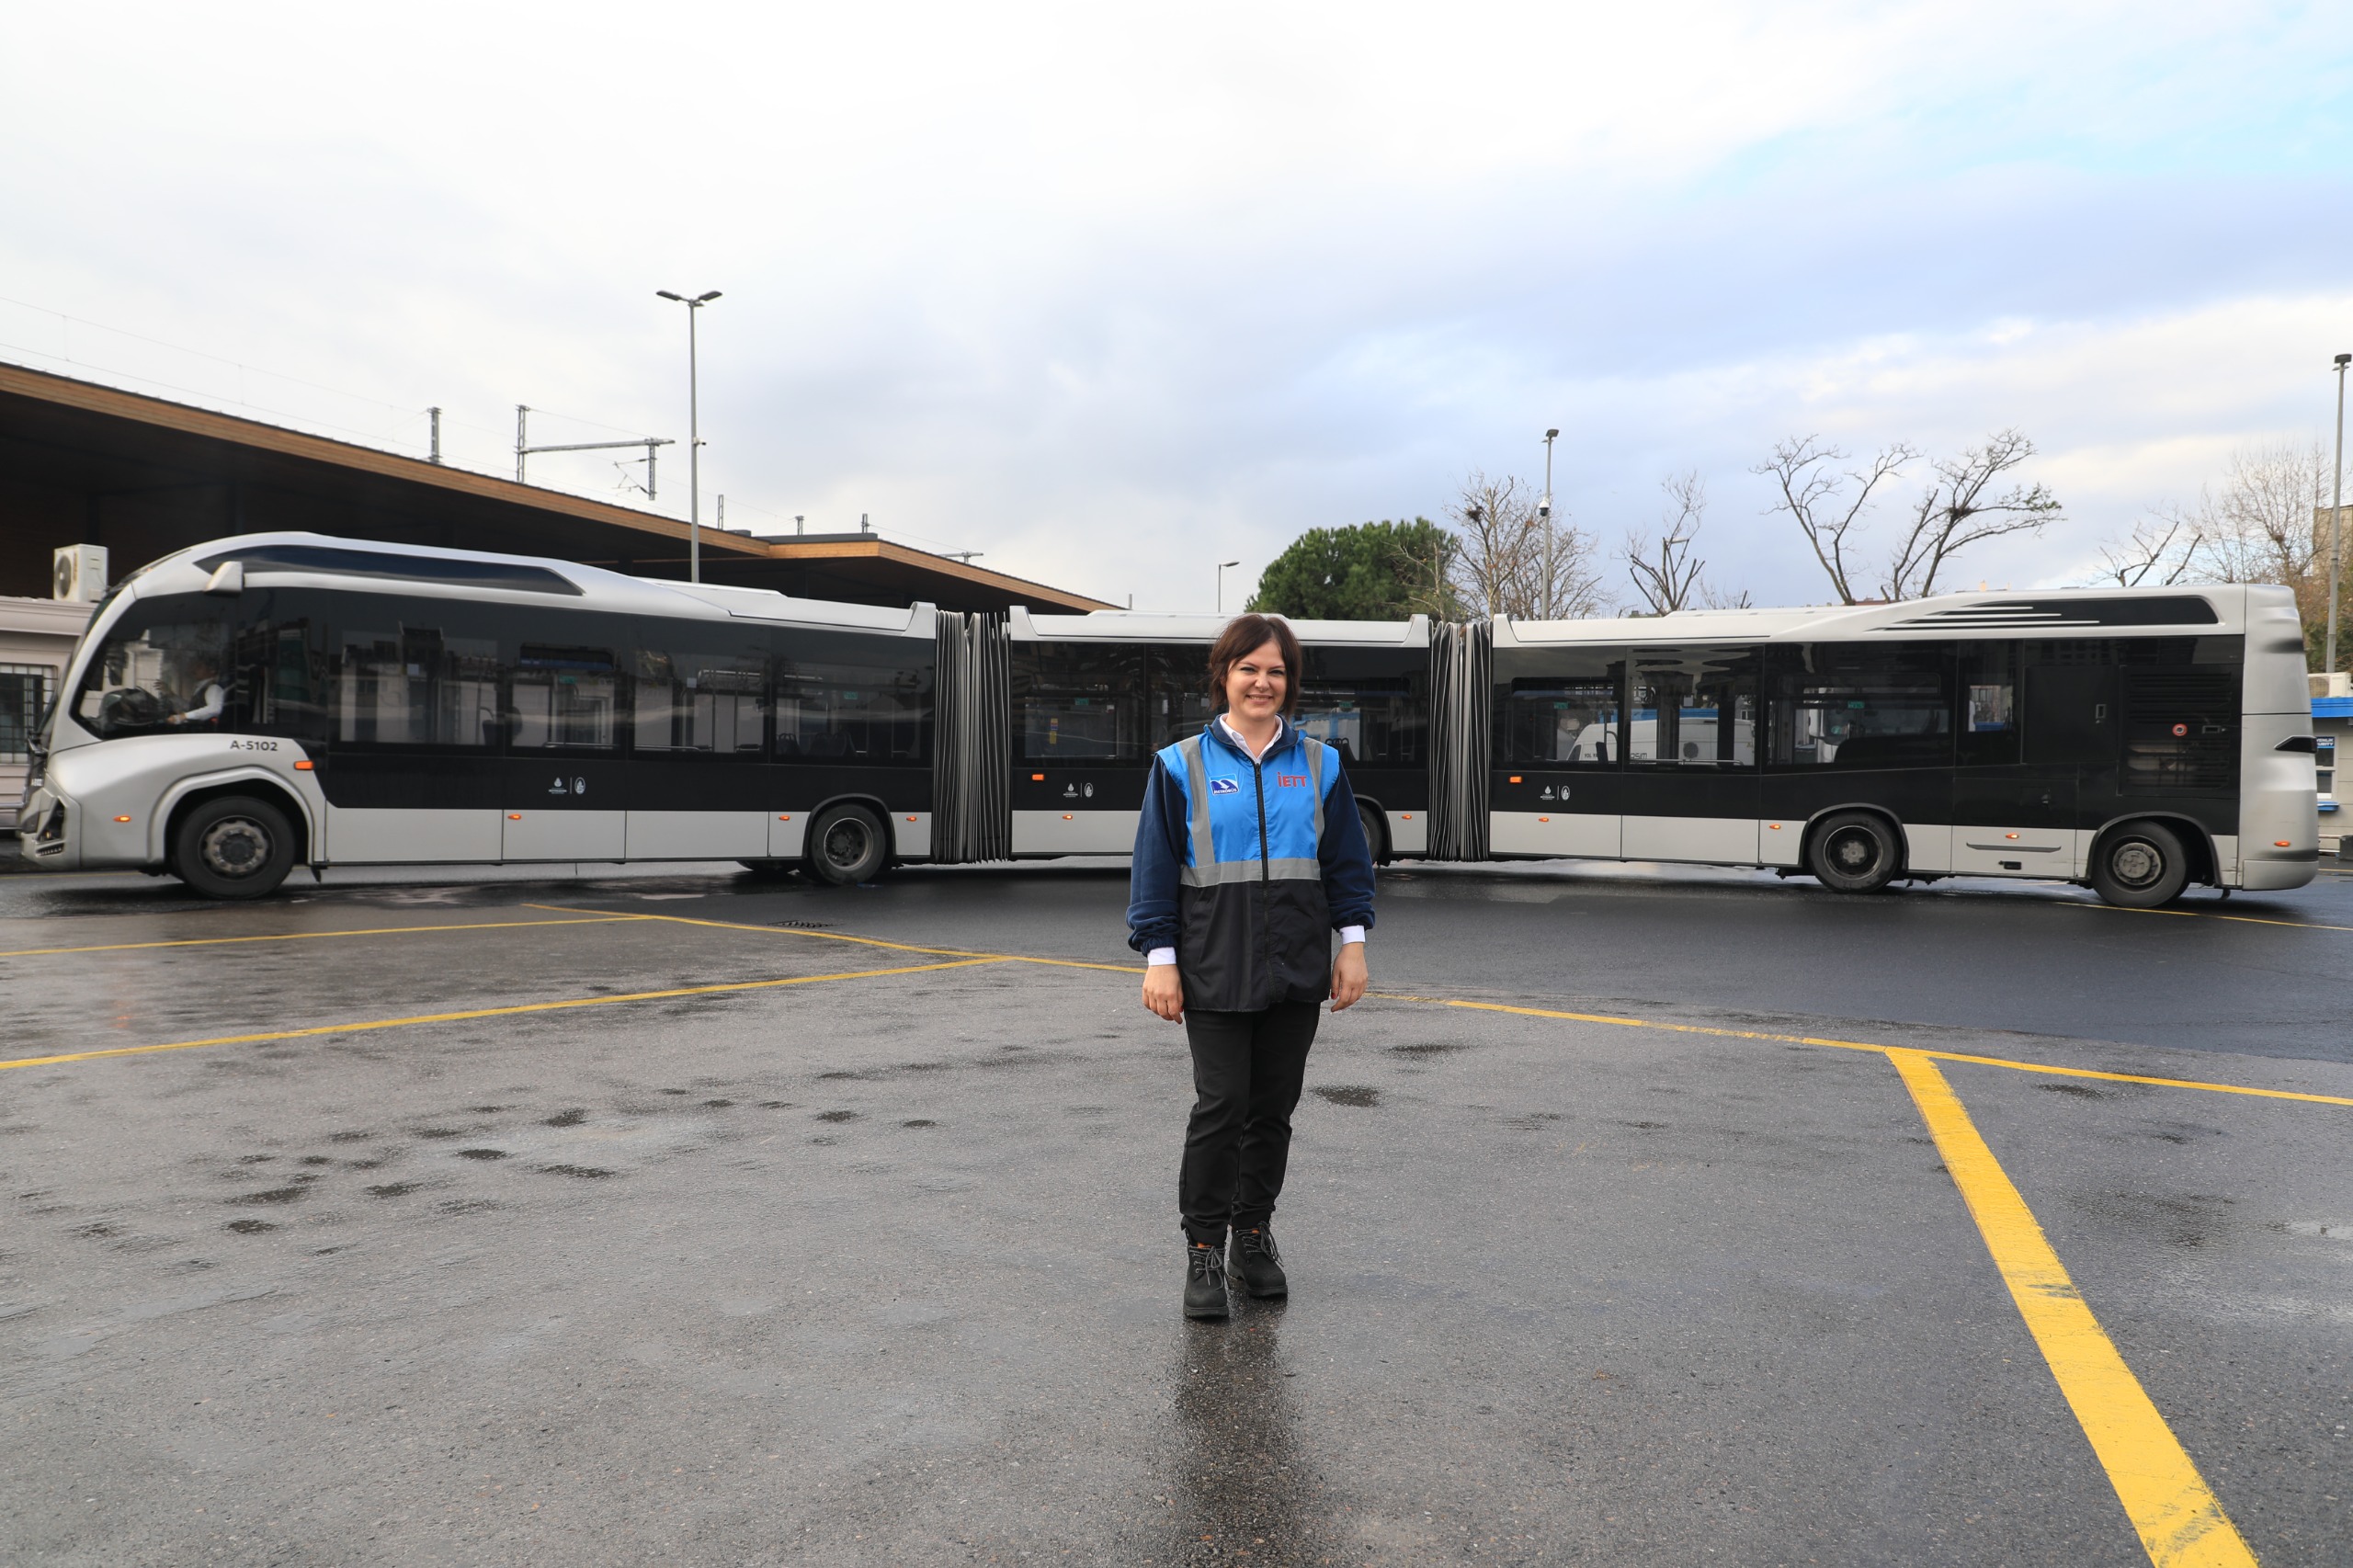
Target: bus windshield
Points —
{"points": [[160, 668]]}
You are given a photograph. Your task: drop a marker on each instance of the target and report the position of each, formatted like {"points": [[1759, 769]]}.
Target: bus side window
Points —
{"points": [[1079, 704], [1694, 707], [714, 703], [1560, 707], [279, 657], [405, 685], [1863, 705]]}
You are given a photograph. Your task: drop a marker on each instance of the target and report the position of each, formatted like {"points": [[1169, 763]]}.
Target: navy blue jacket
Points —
{"points": [[1246, 868]]}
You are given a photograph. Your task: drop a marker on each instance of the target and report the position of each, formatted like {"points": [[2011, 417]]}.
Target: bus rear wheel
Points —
{"points": [[1854, 852], [1376, 833], [846, 845], [235, 846], [2140, 866]]}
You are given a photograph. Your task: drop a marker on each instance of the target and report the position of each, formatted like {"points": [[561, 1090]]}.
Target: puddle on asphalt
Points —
{"points": [[2332, 1230], [1355, 1094]]}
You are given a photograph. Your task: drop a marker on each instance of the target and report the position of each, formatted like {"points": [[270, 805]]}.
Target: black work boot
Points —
{"points": [[1260, 1265], [1205, 1281]]}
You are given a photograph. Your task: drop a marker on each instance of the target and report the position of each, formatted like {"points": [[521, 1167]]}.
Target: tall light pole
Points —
{"points": [[1220, 583], [1544, 516], [694, 435], [2337, 515]]}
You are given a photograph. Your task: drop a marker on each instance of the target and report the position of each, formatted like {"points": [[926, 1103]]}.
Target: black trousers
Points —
{"points": [[1247, 1069]]}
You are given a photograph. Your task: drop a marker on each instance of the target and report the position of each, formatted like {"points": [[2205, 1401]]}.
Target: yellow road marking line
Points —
{"points": [[2203, 914], [479, 1013], [2179, 1521], [2015, 1067], [315, 935], [872, 942]]}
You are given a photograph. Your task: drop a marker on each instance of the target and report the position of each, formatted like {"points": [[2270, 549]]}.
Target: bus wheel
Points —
{"points": [[846, 845], [1854, 852], [234, 846], [1376, 835], [2140, 866]]}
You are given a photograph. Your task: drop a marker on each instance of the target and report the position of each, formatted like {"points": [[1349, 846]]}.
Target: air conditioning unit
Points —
{"points": [[78, 574]]}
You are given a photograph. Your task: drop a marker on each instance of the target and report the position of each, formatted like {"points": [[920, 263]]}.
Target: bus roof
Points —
{"points": [[2056, 612], [1139, 625], [324, 561]]}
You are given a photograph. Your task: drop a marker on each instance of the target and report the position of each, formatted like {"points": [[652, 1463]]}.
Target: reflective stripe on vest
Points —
{"points": [[1207, 870]]}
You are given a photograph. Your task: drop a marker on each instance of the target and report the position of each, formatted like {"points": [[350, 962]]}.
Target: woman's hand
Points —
{"points": [[1165, 994], [1348, 976]]}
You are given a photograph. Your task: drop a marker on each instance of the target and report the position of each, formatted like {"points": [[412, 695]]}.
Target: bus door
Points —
{"points": [[1080, 754], [411, 772], [1559, 786], [563, 790], [2020, 817], [1691, 747]]}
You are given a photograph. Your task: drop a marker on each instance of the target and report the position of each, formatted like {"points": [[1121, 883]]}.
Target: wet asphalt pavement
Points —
{"points": [[802, 1261]]}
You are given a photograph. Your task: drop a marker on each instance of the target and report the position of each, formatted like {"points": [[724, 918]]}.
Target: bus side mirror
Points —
{"points": [[228, 579]]}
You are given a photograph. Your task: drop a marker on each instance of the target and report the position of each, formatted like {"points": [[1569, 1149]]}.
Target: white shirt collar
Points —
{"points": [[1244, 746]]}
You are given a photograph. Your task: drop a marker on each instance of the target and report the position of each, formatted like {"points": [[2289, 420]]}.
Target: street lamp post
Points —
{"points": [[1220, 583], [2336, 516], [694, 434], [1544, 516]]}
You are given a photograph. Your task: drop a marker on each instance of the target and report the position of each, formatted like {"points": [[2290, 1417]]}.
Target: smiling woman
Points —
{"points": [[1249, 856]]}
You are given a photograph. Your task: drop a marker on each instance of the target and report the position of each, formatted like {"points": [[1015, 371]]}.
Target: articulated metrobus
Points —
{"points": [[274, 700]]}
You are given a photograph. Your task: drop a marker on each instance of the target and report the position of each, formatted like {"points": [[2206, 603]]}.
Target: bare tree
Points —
{"points": [[1666, 574], [1814, 491], [2161, 550], [2265, 521], [1961, 508], [1510, 560], [2268, 524]]}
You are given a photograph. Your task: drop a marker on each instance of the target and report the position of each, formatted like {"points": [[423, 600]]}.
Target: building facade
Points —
{"points": [[37, 638]]}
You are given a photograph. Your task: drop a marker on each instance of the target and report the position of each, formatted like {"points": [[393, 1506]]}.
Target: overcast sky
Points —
{"points": [[1113, 293]]}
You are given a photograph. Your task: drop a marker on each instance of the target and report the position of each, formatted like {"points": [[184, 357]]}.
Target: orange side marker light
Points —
{"points": [[1515, 778], [304, 767], [122, 819], [2275, 844], [1067, 817], [911, 819], [514, 816], [784, 816], [1037, 779], [1774, 825]]}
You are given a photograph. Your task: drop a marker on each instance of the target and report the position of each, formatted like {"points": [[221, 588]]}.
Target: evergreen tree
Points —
{"points": [[1382, 571]]}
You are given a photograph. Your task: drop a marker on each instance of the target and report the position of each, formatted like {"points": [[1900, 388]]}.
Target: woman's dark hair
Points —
{"points": [[1244, 635]]}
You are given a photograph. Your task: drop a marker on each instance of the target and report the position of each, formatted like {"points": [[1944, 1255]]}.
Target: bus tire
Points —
{"points": [[846, 845], [1376, 833], [234, 847], [1854, 852], [2141, 865]]}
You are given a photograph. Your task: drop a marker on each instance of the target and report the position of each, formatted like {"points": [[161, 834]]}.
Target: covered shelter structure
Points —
{"points": [[83, 463]]}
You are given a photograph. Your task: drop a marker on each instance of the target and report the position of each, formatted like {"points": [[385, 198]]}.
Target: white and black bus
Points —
{"points": [[275, 700], [2133, 741]]}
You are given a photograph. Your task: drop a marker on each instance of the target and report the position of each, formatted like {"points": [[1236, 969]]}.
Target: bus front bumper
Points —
{"points": [[45, 831]]}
